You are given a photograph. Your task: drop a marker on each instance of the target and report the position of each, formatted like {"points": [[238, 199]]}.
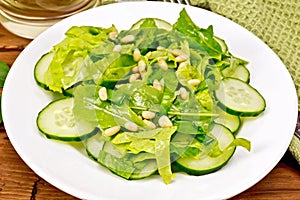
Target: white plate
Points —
{"points": [[71, 171]]}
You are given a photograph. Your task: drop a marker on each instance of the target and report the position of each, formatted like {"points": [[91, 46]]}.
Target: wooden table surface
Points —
{"points": [[18, 181]]}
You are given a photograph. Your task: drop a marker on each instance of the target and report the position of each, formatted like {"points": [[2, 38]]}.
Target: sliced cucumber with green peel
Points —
{"points": [[239, 98], [232, 122], [56, 121], [239, 72], [145, 169], [39, 72], [94, 145], [40, 69], [208, 164], [158, 22], [222, 43], [114, 158]]}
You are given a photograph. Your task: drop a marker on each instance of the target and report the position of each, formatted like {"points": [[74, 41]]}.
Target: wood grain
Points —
{"points": [[18, 181]]}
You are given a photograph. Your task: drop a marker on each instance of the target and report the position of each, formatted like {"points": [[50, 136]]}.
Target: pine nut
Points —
{"points": [[136, 55], [133, 77], [183, 64], [148, 55], [159, 48], [117, 86], [135, 69], [194, 82], [157, 85], [149, 124], [113, 35], [142, 66], [177, 52], [117, 48], [102, 94], [183, 93], [112, 131], [131, 126], [162, 82], [143, 74], [148, 114], [181, 58], [164, 121], [127, 39], [163, 64]]}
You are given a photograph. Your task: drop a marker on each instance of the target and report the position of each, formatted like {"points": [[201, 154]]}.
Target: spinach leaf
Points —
{"points": [[4, 69], [204, 37]]}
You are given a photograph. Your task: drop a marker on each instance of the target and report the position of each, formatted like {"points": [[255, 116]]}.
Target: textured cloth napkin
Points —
{"points": [[277, 23]]}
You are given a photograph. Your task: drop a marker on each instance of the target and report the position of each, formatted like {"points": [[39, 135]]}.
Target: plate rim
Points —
{"points": [[24, 52]]}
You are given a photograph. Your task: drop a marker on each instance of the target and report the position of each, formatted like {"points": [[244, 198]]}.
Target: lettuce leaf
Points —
{"points": [[71, 54], [156, 142]]}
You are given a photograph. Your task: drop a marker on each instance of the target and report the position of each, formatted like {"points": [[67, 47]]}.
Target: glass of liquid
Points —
{"points": [[28, 18]]}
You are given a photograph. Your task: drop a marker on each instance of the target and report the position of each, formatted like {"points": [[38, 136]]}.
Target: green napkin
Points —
{"points": [[277, 23]]}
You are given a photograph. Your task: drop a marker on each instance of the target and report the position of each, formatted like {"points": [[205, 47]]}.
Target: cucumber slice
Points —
{"points": [[239, 72], [209, 164], [56, 121], [113, 149], [41, 67], [94, 145], [113, 157], [232, 122], [158, 22], [239, 98], [222, 43], [145, 169]]}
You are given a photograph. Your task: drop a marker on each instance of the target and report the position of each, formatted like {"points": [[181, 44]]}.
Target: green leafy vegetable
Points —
{"points": [[151, 91], [4, 69]]}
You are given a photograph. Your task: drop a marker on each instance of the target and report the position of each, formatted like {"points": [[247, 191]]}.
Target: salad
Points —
{"points": [[156, 99]]}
